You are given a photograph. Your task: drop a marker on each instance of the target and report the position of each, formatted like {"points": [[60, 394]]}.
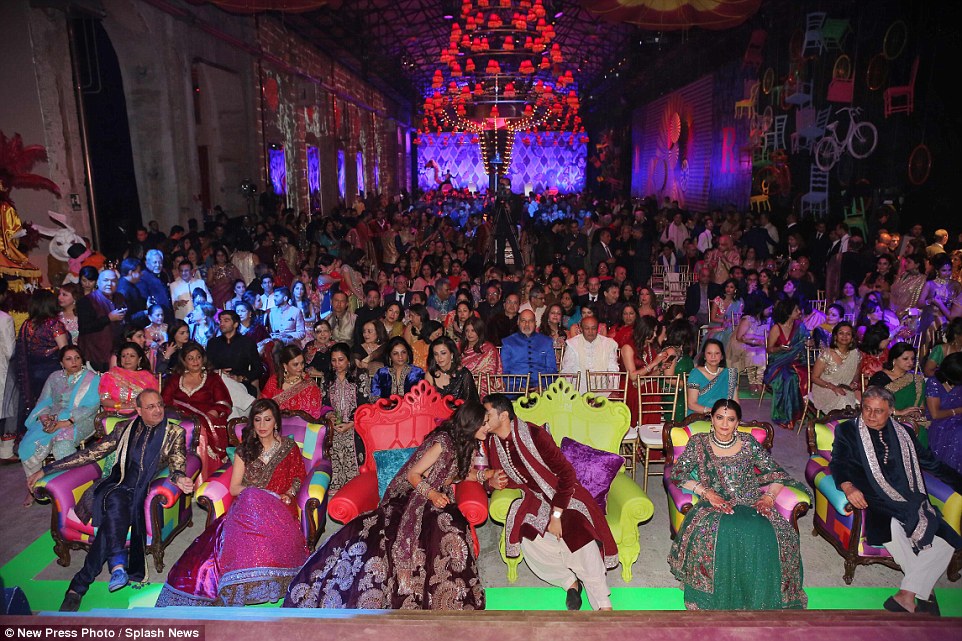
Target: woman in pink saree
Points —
{"points": [[250, 554], [480, 356], [121, 385]]}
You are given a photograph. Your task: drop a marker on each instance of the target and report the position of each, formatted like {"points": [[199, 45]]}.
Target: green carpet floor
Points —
{"points": [[47, 595]]}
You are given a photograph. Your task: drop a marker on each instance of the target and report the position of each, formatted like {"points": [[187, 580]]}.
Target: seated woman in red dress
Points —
{"points": [[201, 394], [291, 387]]}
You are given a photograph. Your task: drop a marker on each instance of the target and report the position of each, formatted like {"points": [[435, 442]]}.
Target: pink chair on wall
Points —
{"points": [[901, 99]]}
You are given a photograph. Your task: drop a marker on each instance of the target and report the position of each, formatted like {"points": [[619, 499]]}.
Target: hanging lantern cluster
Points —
{"points": [[501, 62]]}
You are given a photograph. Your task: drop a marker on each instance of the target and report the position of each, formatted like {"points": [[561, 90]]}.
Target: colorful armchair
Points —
{"points": [[215, 497], [841, 525], [400, 422], [791, 503], [167, 509], [602, 424]]}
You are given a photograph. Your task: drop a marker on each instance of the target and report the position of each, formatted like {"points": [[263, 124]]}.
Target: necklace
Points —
{"points": [[73, 378], [725, 445], [713, 374], [269, 452]]}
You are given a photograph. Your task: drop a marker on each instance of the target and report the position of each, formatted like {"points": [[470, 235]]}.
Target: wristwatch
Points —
{"points": [[556, 513]]}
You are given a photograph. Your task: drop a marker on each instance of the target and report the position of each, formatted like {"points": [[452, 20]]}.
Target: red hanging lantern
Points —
{"points": [[469, 65]]}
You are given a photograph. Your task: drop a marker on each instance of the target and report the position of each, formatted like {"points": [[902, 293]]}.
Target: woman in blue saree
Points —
{"points": [[786, 372], [64, 413], [711, 380]]}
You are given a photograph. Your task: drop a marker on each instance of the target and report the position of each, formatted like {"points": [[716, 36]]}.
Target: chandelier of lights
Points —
{"points": [[502, 73]]}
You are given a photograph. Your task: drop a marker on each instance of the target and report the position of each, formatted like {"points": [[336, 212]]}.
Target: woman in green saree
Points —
{"points": [[786, 371], [735, 550], [898, 376]]}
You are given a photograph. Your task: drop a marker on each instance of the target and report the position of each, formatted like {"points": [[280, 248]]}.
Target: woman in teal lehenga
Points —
{"points": [[734, 550], [786, 372]]}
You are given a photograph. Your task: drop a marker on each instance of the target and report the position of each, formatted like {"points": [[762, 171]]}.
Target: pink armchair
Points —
{"points": [[167, 509], [399, 422], [215, 497]]}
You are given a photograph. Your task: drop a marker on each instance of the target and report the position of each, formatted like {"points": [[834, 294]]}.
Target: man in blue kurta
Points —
{"points": [[528, 352]]}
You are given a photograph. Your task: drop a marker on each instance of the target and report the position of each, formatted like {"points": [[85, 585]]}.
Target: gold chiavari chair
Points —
{"points": [[478, 377], [657, 404], [811, 355], [613, 385], [513, 384], [820, 304], [544, 380], [559, 353]]}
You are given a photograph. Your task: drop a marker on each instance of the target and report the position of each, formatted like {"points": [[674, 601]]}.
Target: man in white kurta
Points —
{"points": [[589, 351]]}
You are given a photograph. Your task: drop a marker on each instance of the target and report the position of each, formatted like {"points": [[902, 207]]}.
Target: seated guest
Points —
{"points": [[118, 515], [369, 353], [874, 349], [250, 325], [822, 333], [229, 563], [876, 462], [203, 327], [746, 347], [943, 401], [835, 375], [194, 390], [608, 308], [446, 373], [286, 321], [551, 326], [505, 322], [952, 344], [123, 383], [393, 325], [400, 375], [64, 413], [168, 353], [235, 355], [527, 352], [182, 290], [345, 390], [699, 296], [291, 387], [898, 377], [342, 319], [417, 316], [589, 352], [317, 354], [479, 355], [414, 550], [755, 562], [711, 380], [420, 347]]}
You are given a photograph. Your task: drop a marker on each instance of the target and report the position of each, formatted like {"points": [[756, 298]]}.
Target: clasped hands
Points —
{"points": [[51, 424]]}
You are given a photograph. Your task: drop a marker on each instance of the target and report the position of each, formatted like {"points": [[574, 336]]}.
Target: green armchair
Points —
{"points": [[601, 424]]}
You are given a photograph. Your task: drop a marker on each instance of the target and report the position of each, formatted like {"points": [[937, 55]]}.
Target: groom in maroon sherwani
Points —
{"points": [[556, 524]]}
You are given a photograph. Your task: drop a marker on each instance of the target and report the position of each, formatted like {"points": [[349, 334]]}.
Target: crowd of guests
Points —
{"points": [[324, 314]]}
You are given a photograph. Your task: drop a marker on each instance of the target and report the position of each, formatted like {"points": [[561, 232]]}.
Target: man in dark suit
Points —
{"points": [[876, 462], [152, 285], [235, 354], [153, 444], [400, 295], [601, 252], [699, 295], [130, 274]]}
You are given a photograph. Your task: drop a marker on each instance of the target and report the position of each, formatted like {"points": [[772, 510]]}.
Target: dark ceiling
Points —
{"points": [[397, 43]]}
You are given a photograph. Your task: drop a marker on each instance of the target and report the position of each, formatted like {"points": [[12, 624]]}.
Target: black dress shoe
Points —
{"points": [[928, 607], [71, 602], [573, 598], [893, 606]]}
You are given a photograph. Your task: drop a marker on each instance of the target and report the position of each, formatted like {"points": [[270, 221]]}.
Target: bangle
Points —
{"points": [[769, 495], [423, 488], [480, 476]]}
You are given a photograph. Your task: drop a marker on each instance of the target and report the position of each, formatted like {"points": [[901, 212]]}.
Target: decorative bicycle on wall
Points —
{"points": [[859, 141]]}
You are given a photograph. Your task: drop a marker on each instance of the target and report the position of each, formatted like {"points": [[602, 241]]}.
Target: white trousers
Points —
{"points": [[552, 562], [921, 570]]}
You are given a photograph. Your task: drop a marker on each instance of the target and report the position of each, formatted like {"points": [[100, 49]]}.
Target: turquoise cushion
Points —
{"points": [[388, 463]]}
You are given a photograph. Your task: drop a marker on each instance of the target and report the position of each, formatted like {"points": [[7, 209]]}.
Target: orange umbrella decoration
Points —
{"points": [[671, 15]]}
